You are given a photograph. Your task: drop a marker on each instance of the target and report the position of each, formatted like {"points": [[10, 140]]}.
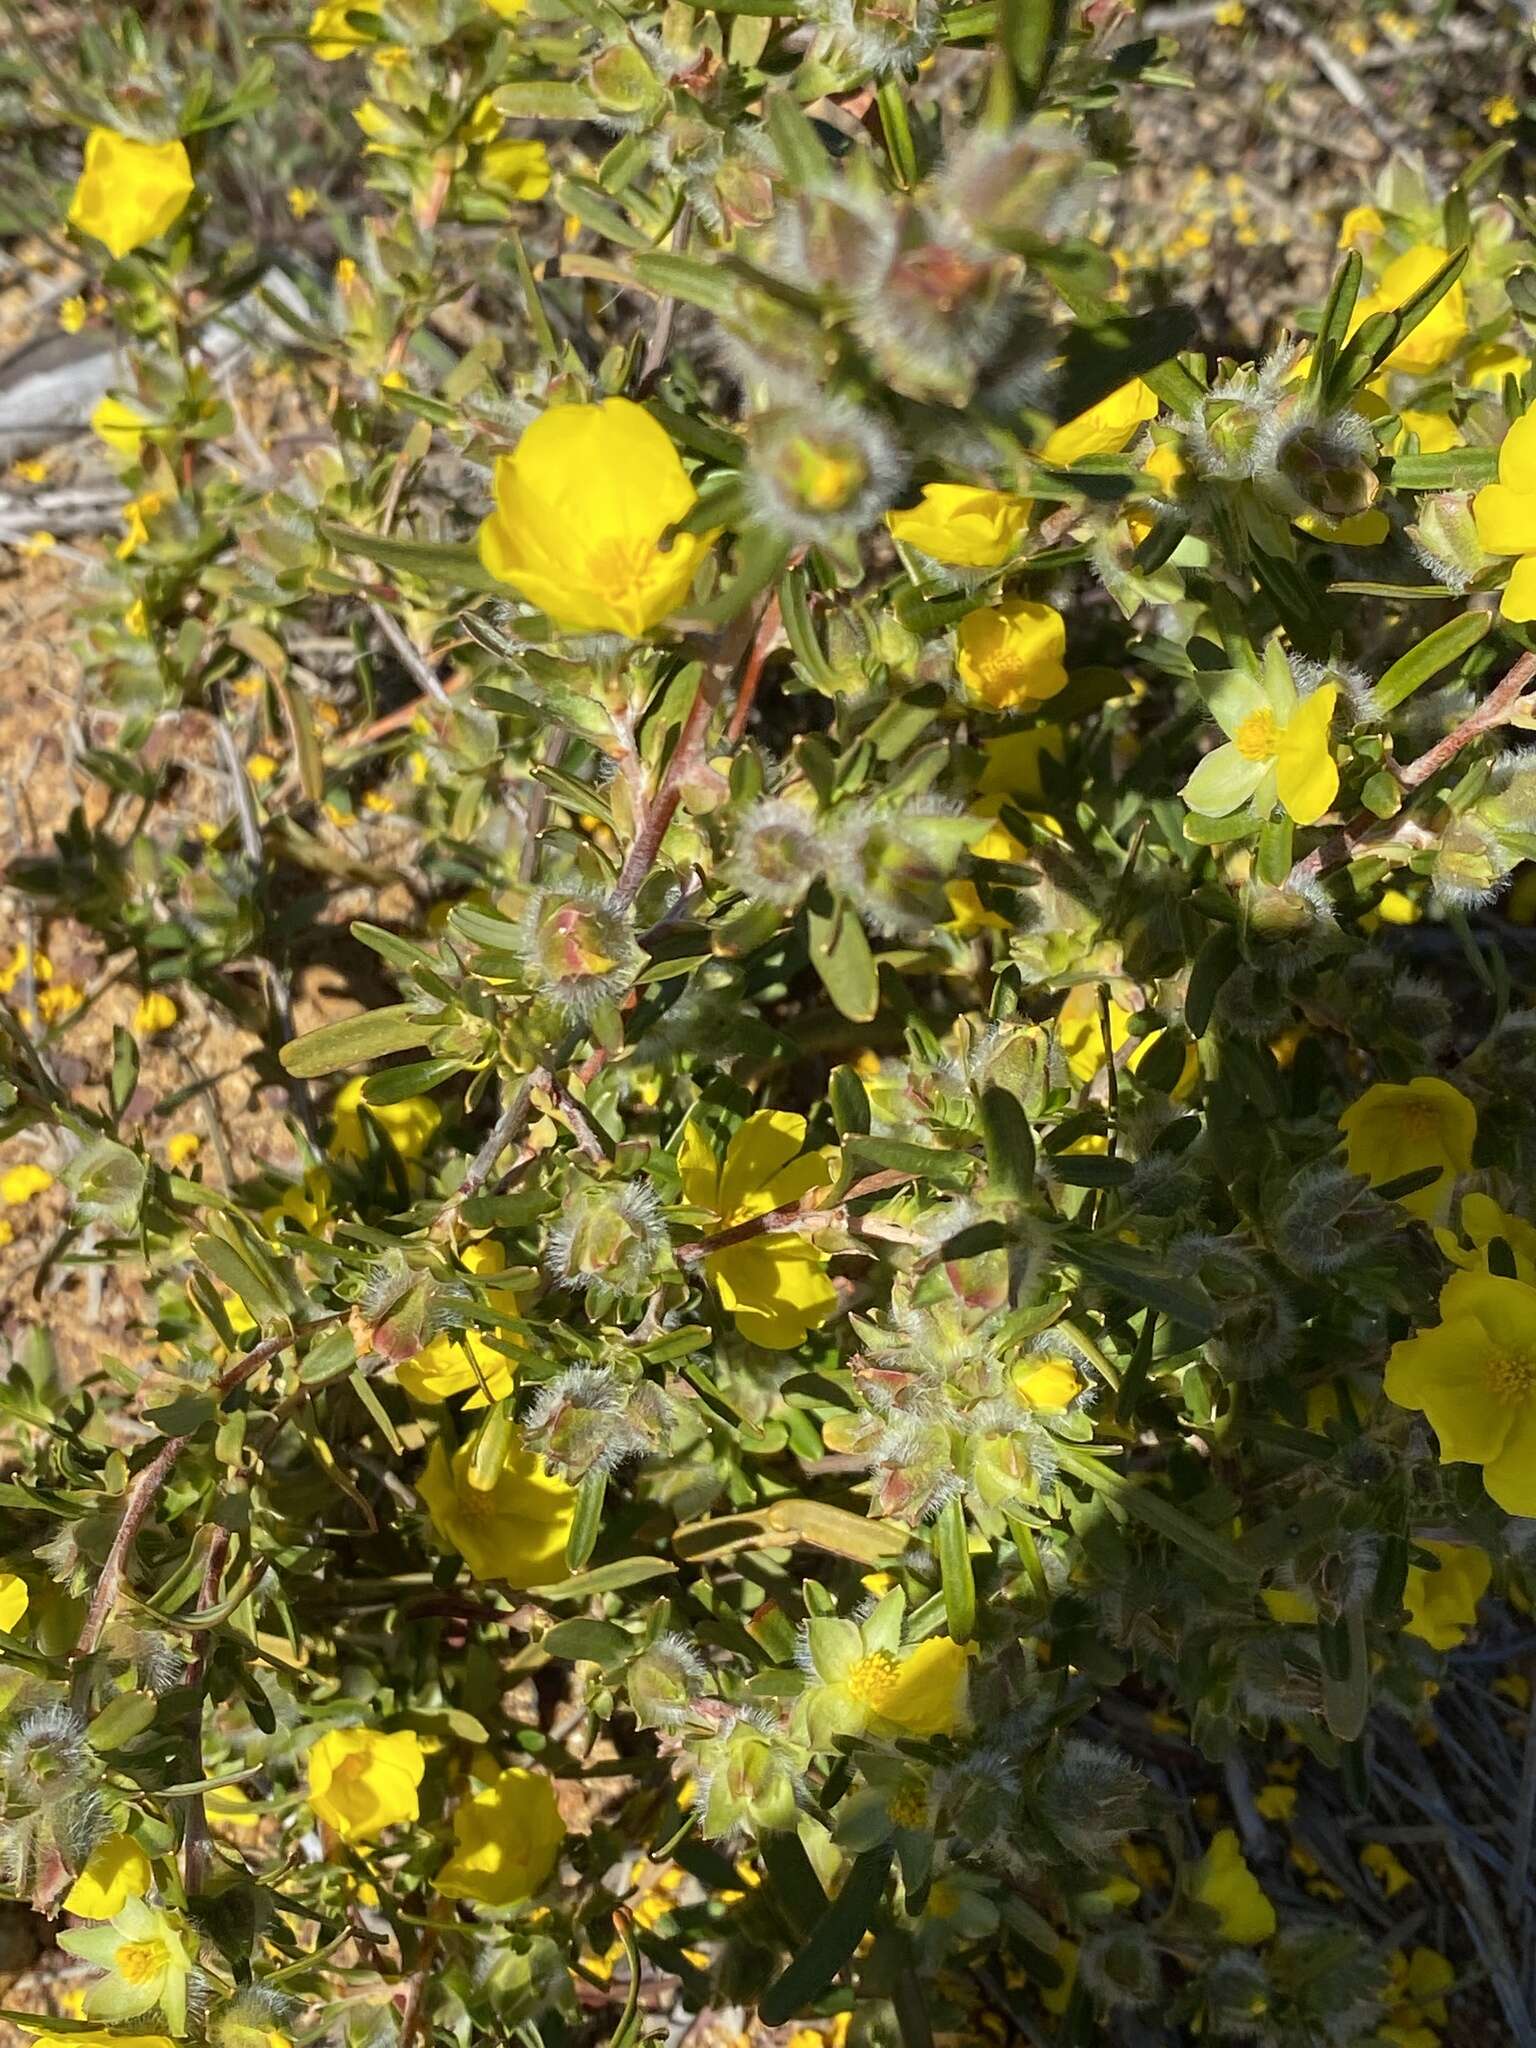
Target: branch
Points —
{"points": [[140, 1497], [1502, 703], [792, 1212]]}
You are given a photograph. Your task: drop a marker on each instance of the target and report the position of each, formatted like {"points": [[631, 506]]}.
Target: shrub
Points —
{"points": [[931, 1202]]}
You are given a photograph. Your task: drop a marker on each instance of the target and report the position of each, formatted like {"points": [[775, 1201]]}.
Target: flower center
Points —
{"points": [[908, 1807], [140, 1962], [1510, 1379], [1258, 736], [872, 1677]]}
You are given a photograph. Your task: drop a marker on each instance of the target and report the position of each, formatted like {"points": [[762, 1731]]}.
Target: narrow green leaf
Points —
{"points": [[952, 1539], [1445, 646], [352, 1040], [831, 1942], [841, 956], [1009, 1141]]}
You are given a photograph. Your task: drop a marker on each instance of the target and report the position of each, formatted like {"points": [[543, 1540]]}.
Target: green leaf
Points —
{"points": [[1456, 469], [1158, 1513], [350, 1041], [952, 1541], [1009, 1141], [608, 1578], [587, 1521], [1334, 324], [1031, 34], [832, 1941], [124, 1717], [583, 1641], [442, 565], [1446, 645], [840, 954], [1218, 958]]}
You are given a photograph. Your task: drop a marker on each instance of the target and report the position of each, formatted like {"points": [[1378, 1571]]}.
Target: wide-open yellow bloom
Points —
{"points": [[1442, 1605], [115, 1871], [130, 192], [1474, 1378], [515, 1529], [774, 1286], [1440, 333], [1399, 1128], [506, 1838], [1223, 1881], [1105, 428], [1277, 749], [362, 1781], [1011, 653], [581, 505], [1505, 514], [964, 526]]}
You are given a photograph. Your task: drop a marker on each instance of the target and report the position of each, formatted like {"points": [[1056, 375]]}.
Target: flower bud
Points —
{"points": [[750, 1778], [46, 1755], [579, 948], [819, 471], [1229, 430], [1444, 538], [625, 87], [608, 1240], [778, 852], [879, 36], [1326, 463], [1121, 1968], [663, 1680], [895, 865]]}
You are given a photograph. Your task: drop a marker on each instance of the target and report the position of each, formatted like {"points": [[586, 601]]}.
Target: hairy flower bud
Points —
{"points": [[819, 470], [587, 1420], [1444, 537], [664, 1679], [750, 1777], [779, 850], [607, 1241], [895, 864], [579, 948], [1318, 462]]}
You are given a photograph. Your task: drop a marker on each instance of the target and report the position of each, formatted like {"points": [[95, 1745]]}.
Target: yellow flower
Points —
{"points": [[1395, 1129], [1416, 1988], [1223, 1881], [1388, 1872], [182, 1147], [1438, 336], [1230, 14], [229, 1807], [1166, 465], [509, 10], [410, 1125], [522, 167], [115, 1871], [1059, 1996], [1360, 224], [1011, 653], [148, 1956], [515, 1529], [18, 1184], [362, 1781], [136, 619], [1052, 1384], [1277, 1802], [1474, 1378], [1442, 1605], [40, 543], [1499, 112], [582, 503], [927, 1692], [1277, 749], [1290, 1608], [72, 314], [101, 2037], [506, 1838], [1491, 362], [120, 425], [14, 1600], [332, 36], [1482, 1220], [302, 200], [129, 192], [1505, 513], [154, 1013], [1080, 1035], [775, 1286], [1105, 428], [964, 526], [458, 1365]]}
